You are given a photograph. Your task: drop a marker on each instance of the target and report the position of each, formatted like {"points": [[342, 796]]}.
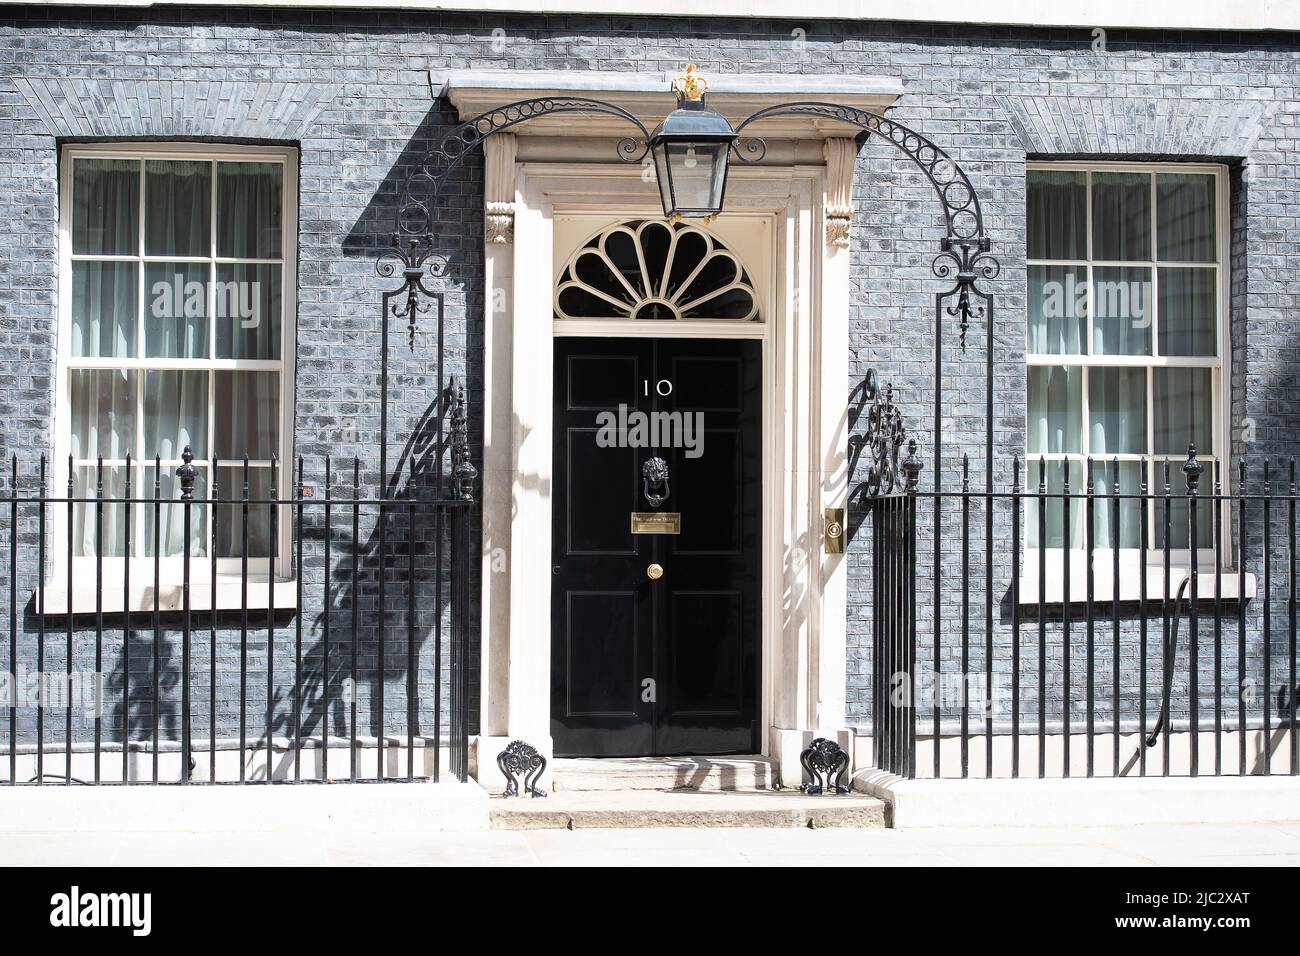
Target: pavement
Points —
{"points": [[1268, 844]]}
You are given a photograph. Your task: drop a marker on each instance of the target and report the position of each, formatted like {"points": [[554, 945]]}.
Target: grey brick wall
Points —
{"points": [[351, 89]]}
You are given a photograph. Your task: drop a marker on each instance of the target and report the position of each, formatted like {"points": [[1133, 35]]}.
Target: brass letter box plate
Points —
{"points": [[656, 522]]}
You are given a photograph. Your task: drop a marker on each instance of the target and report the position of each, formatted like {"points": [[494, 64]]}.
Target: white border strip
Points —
{"points": [[1085, 14]]}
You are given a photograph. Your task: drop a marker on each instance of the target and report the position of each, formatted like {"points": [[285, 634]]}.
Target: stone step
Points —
{"points": [[663, 773], [643, 808]]}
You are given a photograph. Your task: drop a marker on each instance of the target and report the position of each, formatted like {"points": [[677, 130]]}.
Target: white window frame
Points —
{"points": [[225, 591], [1221, 370]]}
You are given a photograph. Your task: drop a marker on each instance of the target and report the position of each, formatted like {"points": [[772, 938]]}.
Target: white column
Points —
{"points": [[530, 580], [811, 349], [792, 346], [498, 307], [831, 434]]}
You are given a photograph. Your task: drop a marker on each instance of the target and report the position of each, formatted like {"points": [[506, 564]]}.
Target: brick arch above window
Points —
{"points": [[125, 109], [1050, 126]]}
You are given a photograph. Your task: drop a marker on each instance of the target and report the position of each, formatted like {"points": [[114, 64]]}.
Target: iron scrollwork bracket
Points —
{"points": [[521, 764], [965, 261], [826, 764], [883, 441], [463, 472], [415, 259], [412, 236], [965, 249]]}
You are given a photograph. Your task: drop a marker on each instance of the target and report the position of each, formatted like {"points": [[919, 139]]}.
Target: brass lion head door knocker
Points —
{"points": [[654, 481]]}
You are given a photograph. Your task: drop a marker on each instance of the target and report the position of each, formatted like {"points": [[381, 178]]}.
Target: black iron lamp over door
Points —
{"points": [[690, 150]]}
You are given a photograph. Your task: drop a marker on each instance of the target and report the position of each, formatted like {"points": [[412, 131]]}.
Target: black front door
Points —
{"points": [[655, 637]]}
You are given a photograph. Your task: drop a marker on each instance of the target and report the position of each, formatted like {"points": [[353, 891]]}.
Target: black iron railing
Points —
{"points": [[213, 630], [1120, 619]]}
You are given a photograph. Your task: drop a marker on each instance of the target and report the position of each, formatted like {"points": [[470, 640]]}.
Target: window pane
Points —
{"points": [[178, 208], [1121, 216], [87, 526], [103, 412], [170, 526], [1057, 204], [1055, 409], [1117, 411], [1058, 304], [1054, 508], [175, 413], [247, 413], [1121, 305], [247, 303], [1185, 217], [1184, 403], [104, 309], [1127, 475], [230, 518], [1188, 305], [1179, 528], [106, 207], [248, 210], [176, 319]]}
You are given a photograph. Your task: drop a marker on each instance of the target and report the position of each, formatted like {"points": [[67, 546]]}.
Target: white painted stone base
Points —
{"points": [[1131, 750], [448, 806], [311, 763], [1083, 802], [786, 745]]}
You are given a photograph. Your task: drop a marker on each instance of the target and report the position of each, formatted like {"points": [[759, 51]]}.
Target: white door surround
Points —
{"points": [[794, 215]]}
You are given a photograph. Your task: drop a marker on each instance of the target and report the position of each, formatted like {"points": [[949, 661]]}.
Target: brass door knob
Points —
{"points": [[654, 572]]}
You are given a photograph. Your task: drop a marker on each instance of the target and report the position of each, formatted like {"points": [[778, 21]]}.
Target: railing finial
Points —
{"points": [[1192, 470], [187, 473], [911, 467]]}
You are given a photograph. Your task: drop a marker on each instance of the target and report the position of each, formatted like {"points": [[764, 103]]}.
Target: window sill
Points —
{"points": [[1130, 585], [226, 596]]}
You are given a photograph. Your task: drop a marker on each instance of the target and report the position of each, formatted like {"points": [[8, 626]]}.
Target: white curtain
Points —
{"points": [[103, 309], [248, 306], [1121, 216], [1188, 311], [1117, 401], [247, 423], [1183, 411], [1117, 411], [171, 513], [175, 413], [1185, 217], [1055, 473], [176, 310], [106, 207], [175, 404], [1056, 206], [178, 208], [1058, 307], [1122, 310], [103, 425], [230, 532], [249, 196], [1055, 410]]}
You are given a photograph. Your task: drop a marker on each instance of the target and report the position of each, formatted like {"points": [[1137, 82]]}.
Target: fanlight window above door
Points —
{"points": [[648, 269]]}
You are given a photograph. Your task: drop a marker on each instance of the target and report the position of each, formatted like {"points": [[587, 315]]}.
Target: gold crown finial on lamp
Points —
{"points": [[691, 85]]}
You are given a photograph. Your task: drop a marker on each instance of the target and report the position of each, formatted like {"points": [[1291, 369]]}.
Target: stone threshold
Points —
{"points": [[648, 808], [744, 773]]}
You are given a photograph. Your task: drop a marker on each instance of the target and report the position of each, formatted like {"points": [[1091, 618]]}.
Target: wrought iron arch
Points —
{"points": [[422, 187], [964, 251], [411, 253]]}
